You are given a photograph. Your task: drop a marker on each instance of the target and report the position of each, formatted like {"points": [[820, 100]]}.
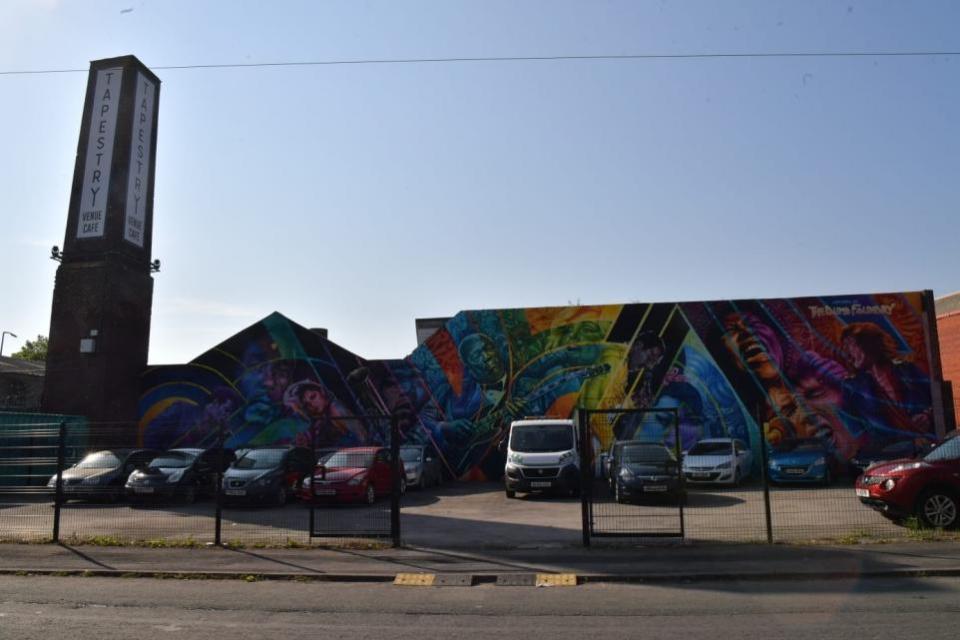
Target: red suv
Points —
{"points": [[928, 488], [360, 474]]}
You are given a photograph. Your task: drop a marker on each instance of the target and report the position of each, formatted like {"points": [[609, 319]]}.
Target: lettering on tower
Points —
{"points": [[140, 158], [96, 173]]}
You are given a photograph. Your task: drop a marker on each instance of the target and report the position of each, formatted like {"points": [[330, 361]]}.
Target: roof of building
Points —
{"points": [[23, 367], [947, 304]]}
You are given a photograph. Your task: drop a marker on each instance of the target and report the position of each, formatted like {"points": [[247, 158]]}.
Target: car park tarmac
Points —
{"points": [[472, 515]]}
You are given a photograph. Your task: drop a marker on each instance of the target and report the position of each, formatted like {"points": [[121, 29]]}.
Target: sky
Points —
{"points": [[359, 197]]}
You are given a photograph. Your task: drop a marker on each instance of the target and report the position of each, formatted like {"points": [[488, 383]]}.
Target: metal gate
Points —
{"points": [[355, 492], [634, 486]]}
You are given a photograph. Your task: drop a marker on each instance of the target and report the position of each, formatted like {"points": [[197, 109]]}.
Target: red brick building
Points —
{"points": [[948, 329]]}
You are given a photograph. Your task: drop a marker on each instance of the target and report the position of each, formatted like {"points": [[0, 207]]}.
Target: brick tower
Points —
{"points": [[103, 295]]}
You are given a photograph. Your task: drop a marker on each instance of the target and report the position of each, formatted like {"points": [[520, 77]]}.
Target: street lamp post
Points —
{"points": [[3, 337]]}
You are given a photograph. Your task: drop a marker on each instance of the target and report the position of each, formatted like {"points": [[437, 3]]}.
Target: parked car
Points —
{"points": [[101, 474], [644, 470], [928, 488], [267, 474], [358, 474], [422, 466], [719, 460], [178, 473], [802, 460], [895, 451]]}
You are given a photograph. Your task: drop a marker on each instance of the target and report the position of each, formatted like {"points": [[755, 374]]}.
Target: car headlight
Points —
{"points": [[175, 476], [724, 465], [52, 482], [626, 474], [515, 458], [308, 481], [566, 456], [888, 484], [263, 481], [92, 480], [357, 479]]}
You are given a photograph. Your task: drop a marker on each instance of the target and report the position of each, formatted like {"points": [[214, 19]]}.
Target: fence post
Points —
{"points": [[586, 477], [58, 492], [395, 472], [678, 452], [766, 480], [218, 527]]}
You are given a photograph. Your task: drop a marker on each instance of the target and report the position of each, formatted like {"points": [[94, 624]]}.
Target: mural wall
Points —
{"points": [[852, 371]]}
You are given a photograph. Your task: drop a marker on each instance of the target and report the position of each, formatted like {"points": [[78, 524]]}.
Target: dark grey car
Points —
{"points": [[267, 475], [100, 475]]}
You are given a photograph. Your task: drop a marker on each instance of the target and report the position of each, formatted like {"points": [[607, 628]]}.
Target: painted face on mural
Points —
{"points": [[276, 379], [854, 353], [646, 352], [313, 399], [754, 345], [481, 357]]}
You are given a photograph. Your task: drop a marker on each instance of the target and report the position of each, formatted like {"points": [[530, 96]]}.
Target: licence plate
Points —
{"points": [[863, 493], [700, 474], [236, 492], [655, 488], [143, 489], [325, 492], [541, 484], [795, 472]]}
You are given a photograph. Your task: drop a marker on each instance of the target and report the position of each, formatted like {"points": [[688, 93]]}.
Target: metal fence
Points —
{"points": [[764, 495], [70, 480]]}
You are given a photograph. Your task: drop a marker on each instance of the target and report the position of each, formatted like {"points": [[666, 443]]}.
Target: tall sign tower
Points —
{"points": [[102, 299]]}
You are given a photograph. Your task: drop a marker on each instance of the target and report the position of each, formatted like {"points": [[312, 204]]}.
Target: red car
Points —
{"points": [[360, 474], [928, 488]]}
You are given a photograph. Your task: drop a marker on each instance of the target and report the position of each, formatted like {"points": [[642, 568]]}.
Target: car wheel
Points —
{"points": [[371, 494], [737, 478], [937, 508], [403, 485], [511, 493], [189, 495], [616, 494]]}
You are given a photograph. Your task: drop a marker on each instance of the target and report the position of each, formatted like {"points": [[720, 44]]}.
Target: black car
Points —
{"points": [[179, 473], [641, 470], [101, 474], [893, 451], [267, 474]]}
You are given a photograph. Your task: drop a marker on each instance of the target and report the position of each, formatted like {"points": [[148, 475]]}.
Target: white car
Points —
{"points": [[718, 460]]}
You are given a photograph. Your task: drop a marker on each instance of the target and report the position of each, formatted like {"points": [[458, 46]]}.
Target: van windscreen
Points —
{"points": [[540, 438]]}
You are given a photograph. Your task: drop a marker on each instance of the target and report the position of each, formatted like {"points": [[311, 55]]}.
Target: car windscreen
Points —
{"points": [[410, 454], [646, 455], [100, 460], [534, 438], [173, 460], [948, 450], [711, 449], [260, 459], [790, 446], [350, 459]]}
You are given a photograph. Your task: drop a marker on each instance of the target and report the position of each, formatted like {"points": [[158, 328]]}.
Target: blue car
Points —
{"points": [[800, 460]]}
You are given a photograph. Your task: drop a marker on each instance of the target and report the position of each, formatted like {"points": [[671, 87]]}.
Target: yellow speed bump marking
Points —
{"points": [[414, 579], [556, 580]]}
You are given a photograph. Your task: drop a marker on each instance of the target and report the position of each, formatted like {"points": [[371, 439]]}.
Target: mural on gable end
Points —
{"points": [[849, 370]]}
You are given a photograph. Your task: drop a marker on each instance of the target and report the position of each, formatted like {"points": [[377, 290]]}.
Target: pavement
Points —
{"points": [[656, 562]]}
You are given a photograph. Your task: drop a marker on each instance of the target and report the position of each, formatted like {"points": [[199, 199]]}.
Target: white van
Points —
{"points": [[542, 455]]}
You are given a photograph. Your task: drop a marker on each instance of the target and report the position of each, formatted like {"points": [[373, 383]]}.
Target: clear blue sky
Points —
{"points": [[360, 197]]}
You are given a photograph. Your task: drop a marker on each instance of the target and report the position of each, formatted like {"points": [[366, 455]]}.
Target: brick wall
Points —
{"points": [[948, 327]]}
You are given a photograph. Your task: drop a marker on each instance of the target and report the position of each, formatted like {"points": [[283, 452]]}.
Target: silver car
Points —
{"points": [[421, 464]]}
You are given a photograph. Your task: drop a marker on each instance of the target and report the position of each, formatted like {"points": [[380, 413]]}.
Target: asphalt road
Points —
{"points": [[49, 608], [474, 515]]}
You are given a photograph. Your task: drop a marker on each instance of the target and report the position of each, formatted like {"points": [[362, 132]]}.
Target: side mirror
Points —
{"points": [[502, 447], [428, 459]]}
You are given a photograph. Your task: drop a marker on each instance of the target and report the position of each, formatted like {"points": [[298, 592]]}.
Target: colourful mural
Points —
{"points": [[850, 370]]}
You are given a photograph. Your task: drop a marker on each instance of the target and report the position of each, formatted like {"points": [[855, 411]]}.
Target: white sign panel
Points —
{"points": [[96, 174], [140, 155]]}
